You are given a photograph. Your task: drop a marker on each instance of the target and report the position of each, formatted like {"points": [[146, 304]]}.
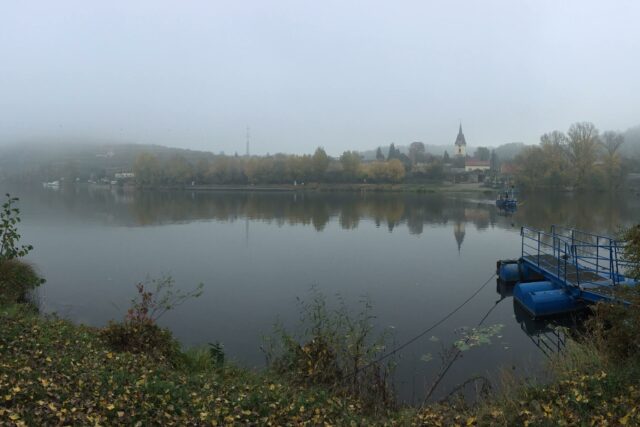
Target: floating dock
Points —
{"points": [[564, 270]]}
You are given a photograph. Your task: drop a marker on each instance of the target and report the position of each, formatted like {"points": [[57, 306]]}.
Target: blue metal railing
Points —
{"points": [[575, 257]]}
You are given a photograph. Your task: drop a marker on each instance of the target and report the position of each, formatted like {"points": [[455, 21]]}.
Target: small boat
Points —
{"points": [[52, 184], [507, 200]]}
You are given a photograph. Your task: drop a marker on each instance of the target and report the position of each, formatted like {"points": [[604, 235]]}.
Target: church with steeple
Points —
{"points": [[460, 144]]}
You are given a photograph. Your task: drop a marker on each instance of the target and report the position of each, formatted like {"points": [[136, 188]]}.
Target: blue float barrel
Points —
{"points": [[544, 298], [508, 271]]}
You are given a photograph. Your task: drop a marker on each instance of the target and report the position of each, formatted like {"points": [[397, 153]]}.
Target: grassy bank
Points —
{"points": [[132, 372], [53, 372]]}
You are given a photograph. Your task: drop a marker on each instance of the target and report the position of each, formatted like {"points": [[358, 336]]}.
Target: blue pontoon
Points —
{"points": [[564, 270]]}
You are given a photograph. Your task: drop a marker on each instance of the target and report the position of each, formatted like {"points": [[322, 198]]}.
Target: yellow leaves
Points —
{"points": [[14, 417], [16, 389], [120, 414], [48, 359], [44, 382], [111, 406], [52, 407], [109, 355], [471, 421]]}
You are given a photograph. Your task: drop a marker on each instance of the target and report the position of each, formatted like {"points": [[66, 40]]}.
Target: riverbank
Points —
{"points": [[412, 188], [55, 372]]}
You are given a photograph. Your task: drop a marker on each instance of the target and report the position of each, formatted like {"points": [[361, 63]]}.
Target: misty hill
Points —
{"points": [[37, 161], [631, 146]]}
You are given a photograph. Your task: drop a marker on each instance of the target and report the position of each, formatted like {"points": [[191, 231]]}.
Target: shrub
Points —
{"points": [[615, 325], [139, 332], [139, 337], [17, 280], [334, 349], [9, 237], [631, 238]]}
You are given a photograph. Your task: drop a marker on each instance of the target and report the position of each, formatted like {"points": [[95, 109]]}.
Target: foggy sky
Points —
{"points": [[301, 74]]}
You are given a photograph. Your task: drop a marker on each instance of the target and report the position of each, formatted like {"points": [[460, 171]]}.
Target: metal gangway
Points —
{"points": [[588, 265]]}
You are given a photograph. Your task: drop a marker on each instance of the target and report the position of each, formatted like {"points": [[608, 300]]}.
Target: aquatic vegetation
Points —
{"points": [[476, 337]]}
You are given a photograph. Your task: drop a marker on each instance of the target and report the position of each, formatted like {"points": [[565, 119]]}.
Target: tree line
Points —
{"points": [[581, 158], [151, 171]]}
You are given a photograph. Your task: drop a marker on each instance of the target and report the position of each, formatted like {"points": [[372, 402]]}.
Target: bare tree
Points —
{"points": [[611, 141], [582, 148], [555, 138]]}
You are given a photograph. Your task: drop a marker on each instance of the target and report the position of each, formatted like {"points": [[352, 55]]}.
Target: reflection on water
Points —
{"points": [[548, 335], [602, 213], [416, 256]]}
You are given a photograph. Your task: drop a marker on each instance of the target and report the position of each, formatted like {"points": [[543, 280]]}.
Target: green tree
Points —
{"points": [[202, 171], [482, 153], [179, 170], [554, 152], [531, 168], [147, 169], [395, 170], [393, 152], [446, 158], [320, 162], [350, 161], [379, 155]]}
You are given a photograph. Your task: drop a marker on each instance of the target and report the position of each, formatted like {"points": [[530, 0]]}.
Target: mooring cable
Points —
{"points": [[457, 354], [421, 334]]}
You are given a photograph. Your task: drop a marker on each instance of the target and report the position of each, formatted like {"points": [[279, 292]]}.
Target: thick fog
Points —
{"points": [[343, 75]]}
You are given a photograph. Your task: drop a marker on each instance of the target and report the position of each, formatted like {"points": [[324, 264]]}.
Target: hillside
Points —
{"points": [[41, 161]]}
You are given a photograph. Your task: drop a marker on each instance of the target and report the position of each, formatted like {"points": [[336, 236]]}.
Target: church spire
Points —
{"points": [[460, 140]]}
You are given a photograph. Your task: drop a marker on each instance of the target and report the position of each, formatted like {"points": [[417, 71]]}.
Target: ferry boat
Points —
{"points": [[507, 200]]}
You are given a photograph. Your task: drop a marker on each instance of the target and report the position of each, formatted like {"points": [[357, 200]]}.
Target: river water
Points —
{"points": [[415, 256]]}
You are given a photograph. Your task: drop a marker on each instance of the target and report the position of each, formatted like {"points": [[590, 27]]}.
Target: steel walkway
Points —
{"points": [[587, 265]]}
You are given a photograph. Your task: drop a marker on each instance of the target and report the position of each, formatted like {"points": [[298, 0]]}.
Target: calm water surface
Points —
{"points": [[415, 256]]}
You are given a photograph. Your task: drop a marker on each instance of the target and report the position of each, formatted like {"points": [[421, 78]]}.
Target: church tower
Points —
{"points": [[460, 148]]}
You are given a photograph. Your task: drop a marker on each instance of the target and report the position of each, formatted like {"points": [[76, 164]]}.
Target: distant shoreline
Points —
{"points": [[413, 188]]}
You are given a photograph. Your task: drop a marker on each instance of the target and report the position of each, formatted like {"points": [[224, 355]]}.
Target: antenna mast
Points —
{"points": [[248, 136]]}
